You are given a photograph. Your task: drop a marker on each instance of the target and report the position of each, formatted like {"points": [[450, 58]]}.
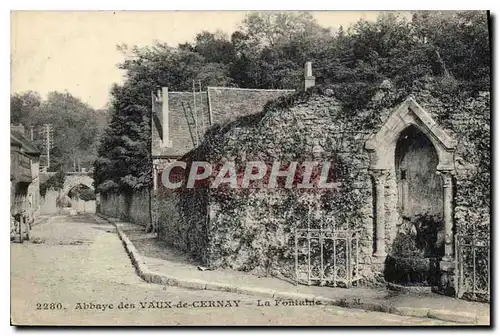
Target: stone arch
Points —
{"points": [[79, 185], [382, 149], [72, 181], [382, 145]]}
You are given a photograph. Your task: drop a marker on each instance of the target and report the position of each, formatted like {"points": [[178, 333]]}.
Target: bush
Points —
{"points": [[405, 245], [87, 195], [418, 237], [412, 271], [82, 192], [414, 259], [63, 202], [55, 182]]}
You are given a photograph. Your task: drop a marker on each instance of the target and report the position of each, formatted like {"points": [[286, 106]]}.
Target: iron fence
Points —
{"points": [[472, 258], [326, 256]]}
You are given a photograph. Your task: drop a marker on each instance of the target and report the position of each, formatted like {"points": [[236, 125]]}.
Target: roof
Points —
{"points": [[184, 132], [227, 104], [18, 139], [217, 105]]}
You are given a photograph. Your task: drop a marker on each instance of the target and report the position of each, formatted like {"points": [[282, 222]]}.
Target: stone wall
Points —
{"points": [[182, 220], [468, 121], [179, 216], [49, 202], [82, 206], [252, 229], [130, 207]]}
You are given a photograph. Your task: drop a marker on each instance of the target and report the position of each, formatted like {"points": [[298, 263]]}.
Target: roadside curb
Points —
{"points": [[162, 279]]}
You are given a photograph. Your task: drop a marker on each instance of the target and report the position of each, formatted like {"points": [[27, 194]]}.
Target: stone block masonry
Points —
{"points": [[133, 207]]}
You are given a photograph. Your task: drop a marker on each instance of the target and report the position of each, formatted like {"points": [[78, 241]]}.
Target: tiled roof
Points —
{"points": [[217, 105], [226, 104], [18, 139]]}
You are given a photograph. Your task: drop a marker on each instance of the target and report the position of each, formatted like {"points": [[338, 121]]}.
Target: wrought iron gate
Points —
{"points": [[472, 258], [326, 256]]}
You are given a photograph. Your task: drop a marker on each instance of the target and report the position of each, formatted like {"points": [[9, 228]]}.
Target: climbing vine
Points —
{"points": [[55, 182], [252, 229]]}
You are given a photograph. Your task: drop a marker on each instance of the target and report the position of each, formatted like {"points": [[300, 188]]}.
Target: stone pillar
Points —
{"points": [[391, 202], [447, 265], [309, 79], [379, 177], [155, 176], [447, 214]]}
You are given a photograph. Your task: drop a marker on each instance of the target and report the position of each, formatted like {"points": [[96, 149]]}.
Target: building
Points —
{"points": [[180, 119], [24, 174]]}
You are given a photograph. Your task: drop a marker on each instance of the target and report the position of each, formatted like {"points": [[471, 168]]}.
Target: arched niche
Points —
{"points": [[383, 144], [419, 187], [408, 117]]}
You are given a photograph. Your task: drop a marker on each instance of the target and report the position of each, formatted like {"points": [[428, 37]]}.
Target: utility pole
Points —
{"points": [[47, 130], [31, 132], [47, 141]]}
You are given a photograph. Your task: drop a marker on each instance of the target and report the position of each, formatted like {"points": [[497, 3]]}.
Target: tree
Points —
{"points": [[75, 130], [214, 48], [76, 126], [460, 39], [124, 152], [271, 29], [410, 53], [124, 161], [272, 47], [161, 65], [447, 50], [23, 107]]}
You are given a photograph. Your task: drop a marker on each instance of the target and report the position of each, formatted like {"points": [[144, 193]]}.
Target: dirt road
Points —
{"points": [[76, 272]]}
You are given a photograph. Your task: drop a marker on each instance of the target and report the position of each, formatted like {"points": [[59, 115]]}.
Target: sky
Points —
{"points": [[75, 51]]}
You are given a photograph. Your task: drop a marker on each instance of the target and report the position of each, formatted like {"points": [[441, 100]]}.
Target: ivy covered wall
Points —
{"points": [[252, 229], [182, 219]]}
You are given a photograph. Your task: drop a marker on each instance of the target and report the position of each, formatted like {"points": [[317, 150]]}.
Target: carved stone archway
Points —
{"points": [[382, 146]]}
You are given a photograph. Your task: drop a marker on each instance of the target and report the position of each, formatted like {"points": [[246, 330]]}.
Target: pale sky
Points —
{"points": [[76, 51]]}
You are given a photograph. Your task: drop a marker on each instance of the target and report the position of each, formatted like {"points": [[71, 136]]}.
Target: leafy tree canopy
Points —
{"points": [[76, 127]]}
